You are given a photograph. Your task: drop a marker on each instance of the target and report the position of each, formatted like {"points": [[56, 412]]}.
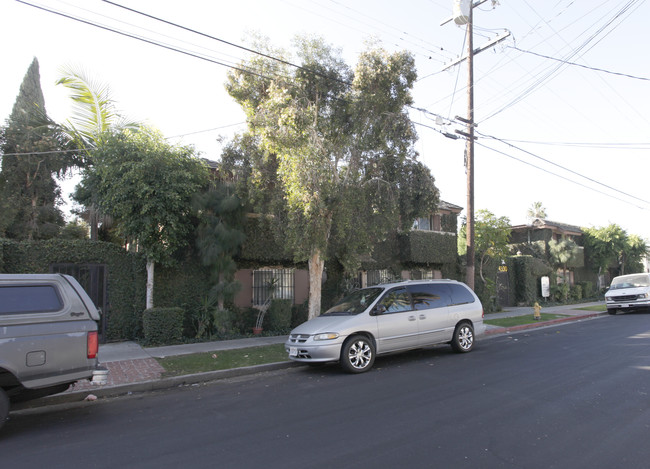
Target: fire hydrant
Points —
{"points": [[537, 309]]}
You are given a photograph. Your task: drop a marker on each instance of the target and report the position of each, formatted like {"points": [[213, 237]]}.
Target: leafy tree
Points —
{"points": [[33, 154], [147, 186], [611, 245], [219, 237], [491, 238], [342, 143]]}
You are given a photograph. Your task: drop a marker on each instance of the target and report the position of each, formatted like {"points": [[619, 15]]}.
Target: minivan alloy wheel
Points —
{"points": [[463, 340], [358, 354]]}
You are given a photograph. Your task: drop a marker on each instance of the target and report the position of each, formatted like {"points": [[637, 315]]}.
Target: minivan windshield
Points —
{"points": [[354, 303], [632, 281]]}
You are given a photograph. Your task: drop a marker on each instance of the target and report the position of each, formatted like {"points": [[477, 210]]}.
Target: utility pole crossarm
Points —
{"points": [[485, 46]]}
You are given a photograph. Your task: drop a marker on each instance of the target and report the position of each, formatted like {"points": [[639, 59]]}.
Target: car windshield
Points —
{"points": [[355, 303], [630, 282]]}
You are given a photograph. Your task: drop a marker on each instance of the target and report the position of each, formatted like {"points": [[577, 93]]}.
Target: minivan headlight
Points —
{"points": [[642, 296], [326, 336]]}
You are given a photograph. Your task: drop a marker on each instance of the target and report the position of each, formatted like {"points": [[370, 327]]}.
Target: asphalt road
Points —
{"points": [[570, 396]]}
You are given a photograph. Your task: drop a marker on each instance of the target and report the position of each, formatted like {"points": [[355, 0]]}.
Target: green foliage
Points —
{"points": [[334, 162], [612, 246], [278, 318], [163, 326], [525, 276], [147, 186], [76, 229], [219, 238], [428, 247], [126, 275], [29, 193], [575, 293]]}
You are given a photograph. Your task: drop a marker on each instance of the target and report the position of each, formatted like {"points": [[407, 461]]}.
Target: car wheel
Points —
{"points": [[357, 354], [611, 311], [4, 407], [463, 340]]}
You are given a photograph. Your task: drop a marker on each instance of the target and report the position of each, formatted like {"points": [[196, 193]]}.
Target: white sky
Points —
{"points": [[564, 117]]}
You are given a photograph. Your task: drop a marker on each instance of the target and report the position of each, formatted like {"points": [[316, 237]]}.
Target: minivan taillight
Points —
{"points": [[93, 344]]}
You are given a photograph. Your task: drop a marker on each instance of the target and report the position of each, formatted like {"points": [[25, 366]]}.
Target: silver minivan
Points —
{"points": [[389, 318]]}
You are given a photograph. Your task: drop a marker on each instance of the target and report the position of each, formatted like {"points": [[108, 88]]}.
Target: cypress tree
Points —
{"points": [[29, 193]]}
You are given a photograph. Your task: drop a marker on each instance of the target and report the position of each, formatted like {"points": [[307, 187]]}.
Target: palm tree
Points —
{"points": [[536, 210], [94, 113]]}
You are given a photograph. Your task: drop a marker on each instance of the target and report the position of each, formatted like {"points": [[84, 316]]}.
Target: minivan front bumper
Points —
{"points": [[303, 348]]}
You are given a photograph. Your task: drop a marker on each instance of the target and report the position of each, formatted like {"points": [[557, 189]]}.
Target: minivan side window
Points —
{"points": [[396, 300], [460, 295], [23, 299], [429, 296]]}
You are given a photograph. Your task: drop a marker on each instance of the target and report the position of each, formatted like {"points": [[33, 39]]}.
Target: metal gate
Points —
{"points": [[94, 279], [503, 287]]}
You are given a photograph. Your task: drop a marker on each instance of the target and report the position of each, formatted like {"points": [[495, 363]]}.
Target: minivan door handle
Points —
{"points": [[411, 318], [423, 316]]}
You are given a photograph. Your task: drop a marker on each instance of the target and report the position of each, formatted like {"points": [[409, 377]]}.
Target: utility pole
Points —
{"points": [[470, 270], [469, 134]]}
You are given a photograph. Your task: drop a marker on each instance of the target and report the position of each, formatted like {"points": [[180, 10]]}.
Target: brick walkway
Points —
{"points": [[125, 372]]}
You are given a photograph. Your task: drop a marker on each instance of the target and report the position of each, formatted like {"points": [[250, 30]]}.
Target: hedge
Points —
{"points": [[163, 326]]}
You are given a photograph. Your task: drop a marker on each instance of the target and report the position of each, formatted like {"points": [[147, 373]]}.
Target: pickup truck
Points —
{"points": [[48, 336]]}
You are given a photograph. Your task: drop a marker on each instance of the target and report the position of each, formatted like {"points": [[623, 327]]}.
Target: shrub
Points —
{"points": [[278, 317], [163, 325], [299, 314], [576, 292]]}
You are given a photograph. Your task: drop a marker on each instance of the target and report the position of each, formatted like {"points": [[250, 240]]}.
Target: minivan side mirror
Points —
{"points": [[377, 310]]}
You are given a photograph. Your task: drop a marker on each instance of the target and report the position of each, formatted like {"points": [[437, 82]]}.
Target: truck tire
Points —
{"points": [[4, 407]]}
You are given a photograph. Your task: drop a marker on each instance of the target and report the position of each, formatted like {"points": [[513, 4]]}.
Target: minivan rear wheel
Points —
{"points": [[463, 340], [4, 407], [357, 354]]}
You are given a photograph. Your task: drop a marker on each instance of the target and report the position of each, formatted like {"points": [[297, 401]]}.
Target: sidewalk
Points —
{"points": [[133, 368]]}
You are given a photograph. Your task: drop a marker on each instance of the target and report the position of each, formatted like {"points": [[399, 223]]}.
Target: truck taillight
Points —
{"points": [[93, 344]]}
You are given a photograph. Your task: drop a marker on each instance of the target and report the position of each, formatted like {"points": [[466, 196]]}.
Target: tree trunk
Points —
{"points": [[316, 264], [150, 267]]}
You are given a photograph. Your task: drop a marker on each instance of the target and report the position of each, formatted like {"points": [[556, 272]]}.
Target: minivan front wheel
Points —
{"points": [[463, 340], [357, 354]]}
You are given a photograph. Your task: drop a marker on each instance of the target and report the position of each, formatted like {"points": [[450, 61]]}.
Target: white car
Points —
{"points": [[389, 318], [628, 293]]}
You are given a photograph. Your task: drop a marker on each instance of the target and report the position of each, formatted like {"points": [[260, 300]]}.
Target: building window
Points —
{"points": [[272, 283], [375, 277], [425, 274], [430, 223]]}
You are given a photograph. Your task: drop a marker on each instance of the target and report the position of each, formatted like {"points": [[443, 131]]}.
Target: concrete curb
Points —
{"points": [[208, 376], [152, 385], [538, 325]]}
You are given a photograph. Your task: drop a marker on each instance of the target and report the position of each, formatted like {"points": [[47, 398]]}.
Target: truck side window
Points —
{"points": [[23, 299]]}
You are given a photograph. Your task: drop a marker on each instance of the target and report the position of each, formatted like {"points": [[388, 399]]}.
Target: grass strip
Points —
{"points": [[521, 320], [222, 360], [596, 308]]}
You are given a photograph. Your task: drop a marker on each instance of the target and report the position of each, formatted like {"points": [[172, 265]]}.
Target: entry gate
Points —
{"points": [[94, 279]]}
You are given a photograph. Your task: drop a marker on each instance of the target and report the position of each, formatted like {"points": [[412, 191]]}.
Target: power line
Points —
{"points": [[143, 39], [194, 31], [561, 177], [564, 168], [579, 65]]}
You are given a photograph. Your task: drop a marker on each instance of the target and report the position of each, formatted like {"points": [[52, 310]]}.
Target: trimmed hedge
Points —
{"points": [[163, 326], [426, 247]]}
